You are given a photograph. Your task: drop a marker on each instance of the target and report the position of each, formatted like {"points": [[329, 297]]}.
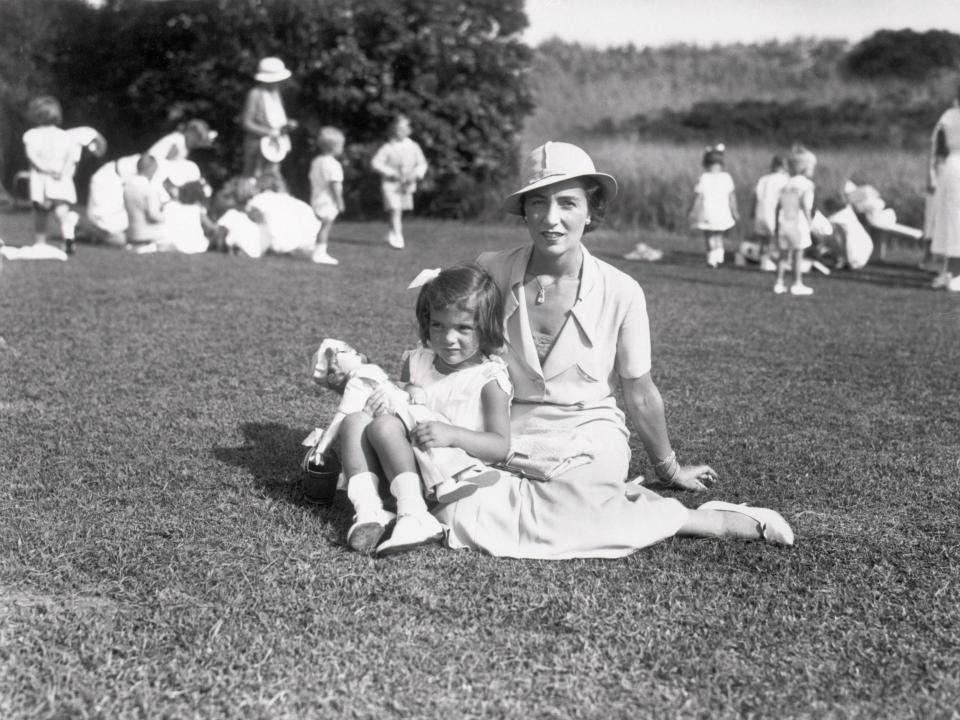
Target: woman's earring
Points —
{"points": [[587, 222]]}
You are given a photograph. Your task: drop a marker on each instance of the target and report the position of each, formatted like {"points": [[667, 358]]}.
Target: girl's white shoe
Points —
{"points": [[773, 528], [367, 530], [411, 531]]}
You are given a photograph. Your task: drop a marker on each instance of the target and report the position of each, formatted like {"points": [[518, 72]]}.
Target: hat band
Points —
{"points": [[543, 175]]}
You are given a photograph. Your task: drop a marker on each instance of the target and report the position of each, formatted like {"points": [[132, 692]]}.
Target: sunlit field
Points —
{"points": [[158, 558]]}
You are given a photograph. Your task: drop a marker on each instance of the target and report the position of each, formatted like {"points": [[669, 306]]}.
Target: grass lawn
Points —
{"points": [[157, 558]]}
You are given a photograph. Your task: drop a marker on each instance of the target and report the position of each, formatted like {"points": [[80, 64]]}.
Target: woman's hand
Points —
{"points": [[696, 478], [432, 434]]}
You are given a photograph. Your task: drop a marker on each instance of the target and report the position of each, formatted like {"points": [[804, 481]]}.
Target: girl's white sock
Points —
{"points": [[362, 489], [406, 489]]}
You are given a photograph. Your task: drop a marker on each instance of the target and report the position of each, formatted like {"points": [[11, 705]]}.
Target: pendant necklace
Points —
{"points": [[541, 293]]}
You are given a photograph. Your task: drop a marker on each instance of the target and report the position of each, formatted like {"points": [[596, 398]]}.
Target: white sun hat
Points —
{"points": [[555, 162], [275, 148], [271, 70]]}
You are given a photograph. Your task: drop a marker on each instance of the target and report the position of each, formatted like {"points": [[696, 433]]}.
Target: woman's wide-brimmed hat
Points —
{"points": [[271, 70], [555, 162]]}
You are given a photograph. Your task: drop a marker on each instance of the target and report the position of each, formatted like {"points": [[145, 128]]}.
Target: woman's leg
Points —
{"points": [[725, 520]]}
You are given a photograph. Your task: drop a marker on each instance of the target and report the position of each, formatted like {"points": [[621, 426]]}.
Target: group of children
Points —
{"points": [[782, 213], [139, 203]]}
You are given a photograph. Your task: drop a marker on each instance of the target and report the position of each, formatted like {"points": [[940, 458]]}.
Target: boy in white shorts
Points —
{"points": [[326, 189]]}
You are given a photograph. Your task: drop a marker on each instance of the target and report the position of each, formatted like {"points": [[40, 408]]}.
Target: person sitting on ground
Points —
{"points": [[456, 373], [144, 205], [185, 223]]}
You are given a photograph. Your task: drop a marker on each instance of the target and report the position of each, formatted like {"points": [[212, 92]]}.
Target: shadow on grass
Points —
{"points": [[271, 452]]}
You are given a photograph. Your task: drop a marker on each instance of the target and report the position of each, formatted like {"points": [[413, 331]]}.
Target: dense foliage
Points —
{"points": [[904, 54], [134, 69]]}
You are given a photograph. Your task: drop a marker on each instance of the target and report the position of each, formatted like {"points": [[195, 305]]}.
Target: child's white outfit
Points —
{"points": [[288, 224], [243, 234], [183, 229], [767, 194], [713, 213], [796, 206], [324, 170], [53, 156], [404, 160]]}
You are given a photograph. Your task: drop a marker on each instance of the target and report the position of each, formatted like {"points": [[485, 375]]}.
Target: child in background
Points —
{"points": [[714, 210], [53, 159], [766, 195], [457, 374], [326, 189], [186, 224], [236, 232], [400, 163], [144, 202], [794, 217]]}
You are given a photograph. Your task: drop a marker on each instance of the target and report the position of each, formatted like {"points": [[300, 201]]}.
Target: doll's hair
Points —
{"points": [[713, 155], [467, 288], [45, 110], [329, 139]]}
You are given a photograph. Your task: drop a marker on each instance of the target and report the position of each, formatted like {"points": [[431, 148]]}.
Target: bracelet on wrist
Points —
{"points": [[668, 468]]}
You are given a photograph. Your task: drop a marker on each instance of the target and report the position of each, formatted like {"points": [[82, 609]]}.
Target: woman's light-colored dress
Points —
{"points": [[585, 512], [945, 223]]}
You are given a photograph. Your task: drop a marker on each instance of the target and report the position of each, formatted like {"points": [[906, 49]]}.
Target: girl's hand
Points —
{"points": [[386, 398], [432, 434]]}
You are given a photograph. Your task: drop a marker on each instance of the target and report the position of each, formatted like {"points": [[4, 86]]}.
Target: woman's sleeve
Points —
{"points": [[633, 342]]}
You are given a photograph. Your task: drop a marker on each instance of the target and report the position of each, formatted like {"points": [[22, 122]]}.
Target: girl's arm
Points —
{"points": [[381, 165], [491, 445], [645, 407]]}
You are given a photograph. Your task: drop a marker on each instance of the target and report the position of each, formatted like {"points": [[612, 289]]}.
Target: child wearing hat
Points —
{"points": [[401, 164], [265, 121]]}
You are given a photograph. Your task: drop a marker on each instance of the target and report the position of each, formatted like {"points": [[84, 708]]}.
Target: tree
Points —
{"points": [[903, 54], [457, 68]]}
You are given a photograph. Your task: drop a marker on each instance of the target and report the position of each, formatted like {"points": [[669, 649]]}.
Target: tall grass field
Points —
{"points": [[158, 558]]}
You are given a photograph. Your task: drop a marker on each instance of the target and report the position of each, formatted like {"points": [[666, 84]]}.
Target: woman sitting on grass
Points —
{"points": [[577, 329]]}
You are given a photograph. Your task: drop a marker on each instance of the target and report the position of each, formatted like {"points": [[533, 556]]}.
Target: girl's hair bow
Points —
{"points": [[423, 277]]}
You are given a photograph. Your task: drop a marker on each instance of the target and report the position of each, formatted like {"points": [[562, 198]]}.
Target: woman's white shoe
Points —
{"points": [[773, 527]]}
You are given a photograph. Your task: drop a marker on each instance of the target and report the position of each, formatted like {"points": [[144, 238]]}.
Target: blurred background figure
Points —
{"points": [[265, 123]]}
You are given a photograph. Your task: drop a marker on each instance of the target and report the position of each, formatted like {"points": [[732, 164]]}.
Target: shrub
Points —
{"points": [[903, 54], [137, 68]]}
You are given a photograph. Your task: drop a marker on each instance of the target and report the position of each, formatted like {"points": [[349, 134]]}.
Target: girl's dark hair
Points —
{"points": [[467, 288], [712, 156], [192, 193]]}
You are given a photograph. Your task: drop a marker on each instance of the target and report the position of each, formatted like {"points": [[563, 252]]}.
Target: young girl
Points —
{"points": [[186, 223], [794, 215], [53, 159], [714, 209], [400, 163], [765, 197], [326, 189], [459, 313]]}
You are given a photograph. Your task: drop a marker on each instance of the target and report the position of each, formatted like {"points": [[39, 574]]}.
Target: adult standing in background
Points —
{"points": [[265, 122], [945, 181]]}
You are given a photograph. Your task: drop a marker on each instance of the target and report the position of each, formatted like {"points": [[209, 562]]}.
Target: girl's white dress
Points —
{"points": [[796, 205], [183, 229], [945, 222], [767, 194], [287, 224], [456, 396], [713, 206]]}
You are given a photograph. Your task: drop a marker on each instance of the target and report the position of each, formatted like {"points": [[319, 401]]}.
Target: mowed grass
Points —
{"points": [[158, 558]]}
